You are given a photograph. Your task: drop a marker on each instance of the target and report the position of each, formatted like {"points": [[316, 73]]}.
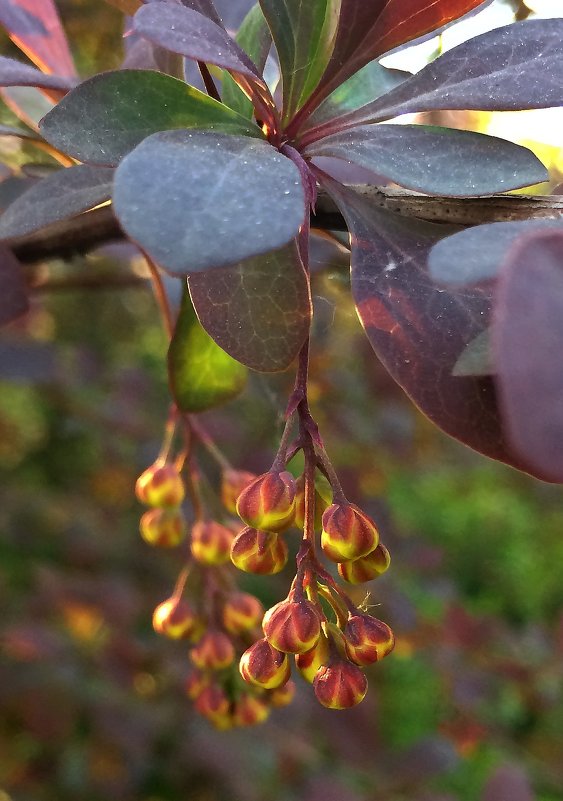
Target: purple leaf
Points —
{"points": [[519, 66], [14, 73], [204, 7], [366, 30], [66, 193], [107, 116], [35, 27], [195, 36], [13, 294], [527, 344], [242, 198], [508, 783], [436, 161], [476, 254], [417, 329], [259, 310]]}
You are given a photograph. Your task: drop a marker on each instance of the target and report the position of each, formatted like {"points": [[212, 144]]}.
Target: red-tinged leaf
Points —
{"points": [[105, 117], [366, 30], [193, 35], [242, 198], [476, 254], [259, 310], [436, 161], [527, 345], [519, 66], [304, 33], [27, 103], [14, 73], [13, 294], [8, 130], [256, 40], [417, 329], [64, 194], [508, 783], [35, 27]]}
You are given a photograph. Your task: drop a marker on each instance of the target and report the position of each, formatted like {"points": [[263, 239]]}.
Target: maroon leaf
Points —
{"points": [[35, 27], [417, 329], [527, 343], [63, 194], [193, 35], [366, 30], [508, 783], [14, 73], [258, 310], [436, 161], [519, 66], [13, 295]]}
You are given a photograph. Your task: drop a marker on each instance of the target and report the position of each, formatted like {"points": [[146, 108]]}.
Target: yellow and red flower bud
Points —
{"points": [[232, 484], [323, 499], [160, 485], [261, 552], [292, 626], [309, 662], [242, 612], [211, 542], [212, 702], [264, 666], [347, 533], [282, 696], [223, 722], [214, 651], [196, 682], [175, 619], [367, 639], [268, 502], [340, 685], [366, 568], [163, 528], [250, 710]]}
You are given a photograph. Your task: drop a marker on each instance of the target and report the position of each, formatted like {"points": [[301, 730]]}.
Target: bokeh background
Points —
{"points": [[469, 707]]}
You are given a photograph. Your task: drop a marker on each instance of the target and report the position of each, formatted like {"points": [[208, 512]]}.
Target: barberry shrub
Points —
{"points": [[219, 189]]}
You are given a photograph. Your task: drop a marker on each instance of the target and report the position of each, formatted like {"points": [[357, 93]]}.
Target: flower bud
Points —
{"points": [[261, 552], [223, 722], [232, 484], [340, 685], [268, 503], [175, 619], [211, 542], [160, 485], [309, 662], [264, 666], [347, 533], [292, 626], [214, 651], [242, 612], [323, 499], [196, 682], [250, 710], [164, 528], [212, 702], [366, 568], [282, 696], [367, 639]]}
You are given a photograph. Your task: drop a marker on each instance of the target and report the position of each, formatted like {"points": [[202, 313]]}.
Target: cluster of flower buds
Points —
{"points": [[331, 655], [161, 487]]}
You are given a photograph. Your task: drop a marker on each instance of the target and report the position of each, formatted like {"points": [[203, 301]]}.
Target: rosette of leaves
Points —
{"points": [[217, 188]]}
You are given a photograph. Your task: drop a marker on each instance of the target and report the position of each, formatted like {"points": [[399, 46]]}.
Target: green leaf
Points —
{"points": [[255, 39], [105, 117], [304, 32], [200, 200], [368, 84], [477, 358], [202, 375]]}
